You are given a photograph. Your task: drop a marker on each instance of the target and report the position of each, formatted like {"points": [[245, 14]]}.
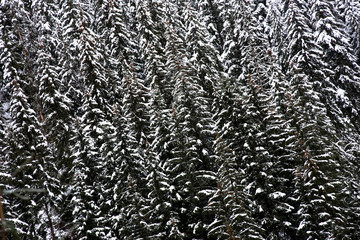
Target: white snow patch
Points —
{"points": [[302, 225], [340, 93], [258, 190], [277, 195]]}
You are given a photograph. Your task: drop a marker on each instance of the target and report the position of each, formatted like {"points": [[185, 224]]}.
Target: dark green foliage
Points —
{"points": [[185, 119]]}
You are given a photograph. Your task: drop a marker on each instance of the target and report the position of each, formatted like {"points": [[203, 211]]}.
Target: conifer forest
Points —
{"points": [[180, 119]]}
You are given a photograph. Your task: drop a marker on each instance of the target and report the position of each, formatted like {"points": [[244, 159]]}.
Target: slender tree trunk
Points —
{"points": [[3, 234], [50, 222]]}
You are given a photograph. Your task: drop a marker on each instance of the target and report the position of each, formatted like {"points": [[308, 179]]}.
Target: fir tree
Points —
{"points": [[157, 206], [335, 43], [53, 106], [150, 17], [189, 167], [349, 11], [125, 182], [32, 167], [231, 205], [318, 157], [211, 18], [201, 54], [32, 171], [93, 139], [69, 52]]}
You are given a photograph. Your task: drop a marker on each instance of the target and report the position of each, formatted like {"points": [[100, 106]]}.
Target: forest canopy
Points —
{"points": [[180, 119]]}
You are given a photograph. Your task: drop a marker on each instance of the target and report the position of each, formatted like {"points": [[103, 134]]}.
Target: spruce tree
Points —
{"points": [[125, 182], [349, 10], [343, 69], [257, 94], [150, 17], [69, 52], [190, 167], [319, 160], [231, 205], [93, 138], [130, 153], [305, 51], [209, 9], [53, 106], [31, 164], [33, 168], [202, 55], [157, 206]]}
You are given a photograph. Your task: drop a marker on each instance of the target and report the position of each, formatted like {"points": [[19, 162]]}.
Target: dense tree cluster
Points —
{"points": [[180, 119]]}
